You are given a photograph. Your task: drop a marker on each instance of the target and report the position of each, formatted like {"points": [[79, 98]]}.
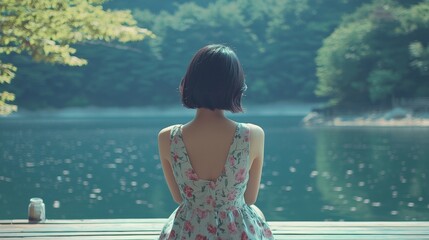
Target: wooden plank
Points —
{"points": [[138, 227], [150, 228], [338, 224], [272, 223], [350, 237], [89, 221], [283, 237]]}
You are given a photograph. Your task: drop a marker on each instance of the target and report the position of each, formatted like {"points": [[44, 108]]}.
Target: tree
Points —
{"points": [[275, 40], [190, 27], [46, 30], [295, 31], [372, 57]]}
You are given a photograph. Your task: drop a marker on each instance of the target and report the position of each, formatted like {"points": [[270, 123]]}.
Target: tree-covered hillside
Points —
{"points": [[277, 42], [378, 54]]}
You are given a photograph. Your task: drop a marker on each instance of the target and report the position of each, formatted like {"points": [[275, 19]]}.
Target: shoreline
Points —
{"points": [[362, 122], [396, 117], [272, 109], [311, 114]]}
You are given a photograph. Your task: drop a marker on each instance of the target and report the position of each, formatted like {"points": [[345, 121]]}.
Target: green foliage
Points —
{"points": [[6, 108], [420, 56], [366, 59], [296, 30], [341, 61], [378, 52], [382, 83], [7, 72], [46, 29], [275, 40]]}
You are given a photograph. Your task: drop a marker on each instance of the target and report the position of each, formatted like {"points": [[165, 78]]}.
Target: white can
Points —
{"points": [[36, 210]]}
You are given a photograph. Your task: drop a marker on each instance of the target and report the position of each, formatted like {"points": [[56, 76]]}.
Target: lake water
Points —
{"points": [[109, 168]]}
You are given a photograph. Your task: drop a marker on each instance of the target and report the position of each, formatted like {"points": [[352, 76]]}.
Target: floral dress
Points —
{"points": [[214, 209]]}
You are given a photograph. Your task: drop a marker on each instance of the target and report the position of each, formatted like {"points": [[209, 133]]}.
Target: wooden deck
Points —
{"points": [[149, 229]]}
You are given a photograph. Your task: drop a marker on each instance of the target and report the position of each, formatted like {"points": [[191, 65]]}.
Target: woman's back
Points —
{"points": [[208, 145]]}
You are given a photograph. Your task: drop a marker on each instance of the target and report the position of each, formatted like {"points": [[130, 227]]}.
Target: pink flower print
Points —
{"points": [[212, 229], [246, 135], [240, 175], [231, 160], [232, 228], [244, 236], [188, 191], [200, 237], [267, 232], [252, 229], [231, 208], [232, 195], [212, 185], [210, 201], [188, 226], [175, 157], [202, 214], [235, 213], [222, 215], [191, 174]]}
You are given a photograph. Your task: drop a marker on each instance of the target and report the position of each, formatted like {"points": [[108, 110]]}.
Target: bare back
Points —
{"points": [[208, 145]]}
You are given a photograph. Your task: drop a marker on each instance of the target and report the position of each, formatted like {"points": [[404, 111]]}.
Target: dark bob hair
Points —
{"points": [[214, 80]]}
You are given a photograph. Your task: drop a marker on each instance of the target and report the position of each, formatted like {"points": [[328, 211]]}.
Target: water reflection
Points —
{"points": [[109, 168], [94, 170], [373, 174]]}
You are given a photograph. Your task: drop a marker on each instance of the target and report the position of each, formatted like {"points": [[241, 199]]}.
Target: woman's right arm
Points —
{"points": [[256, 157], [164, 156]]}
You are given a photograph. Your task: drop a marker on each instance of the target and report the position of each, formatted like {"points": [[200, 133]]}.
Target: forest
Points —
{"points": [[343, 52]]}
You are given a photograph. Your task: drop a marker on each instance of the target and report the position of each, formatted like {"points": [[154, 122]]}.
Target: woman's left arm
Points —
{"points": [[164, 156]]}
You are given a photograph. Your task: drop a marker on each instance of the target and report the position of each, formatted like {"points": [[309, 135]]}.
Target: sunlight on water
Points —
{"points": [[110, 169], [56, 204]]}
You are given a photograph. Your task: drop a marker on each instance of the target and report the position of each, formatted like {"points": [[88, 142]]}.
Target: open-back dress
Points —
{"points": [[214, 209]]}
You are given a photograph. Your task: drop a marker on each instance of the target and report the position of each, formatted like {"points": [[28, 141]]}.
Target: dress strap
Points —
{"points": [[174, 131], [242, 143]]}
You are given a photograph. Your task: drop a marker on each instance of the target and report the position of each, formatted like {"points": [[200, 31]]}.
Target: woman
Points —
{"points": [[212, 164]]}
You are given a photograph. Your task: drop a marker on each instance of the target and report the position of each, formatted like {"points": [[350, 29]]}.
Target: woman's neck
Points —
{"points": [[204, 114], [211, 114], [213, 119]]}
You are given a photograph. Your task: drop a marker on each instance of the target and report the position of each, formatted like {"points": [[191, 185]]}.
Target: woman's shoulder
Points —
{"points": [[255, 129], [165, 133]]}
